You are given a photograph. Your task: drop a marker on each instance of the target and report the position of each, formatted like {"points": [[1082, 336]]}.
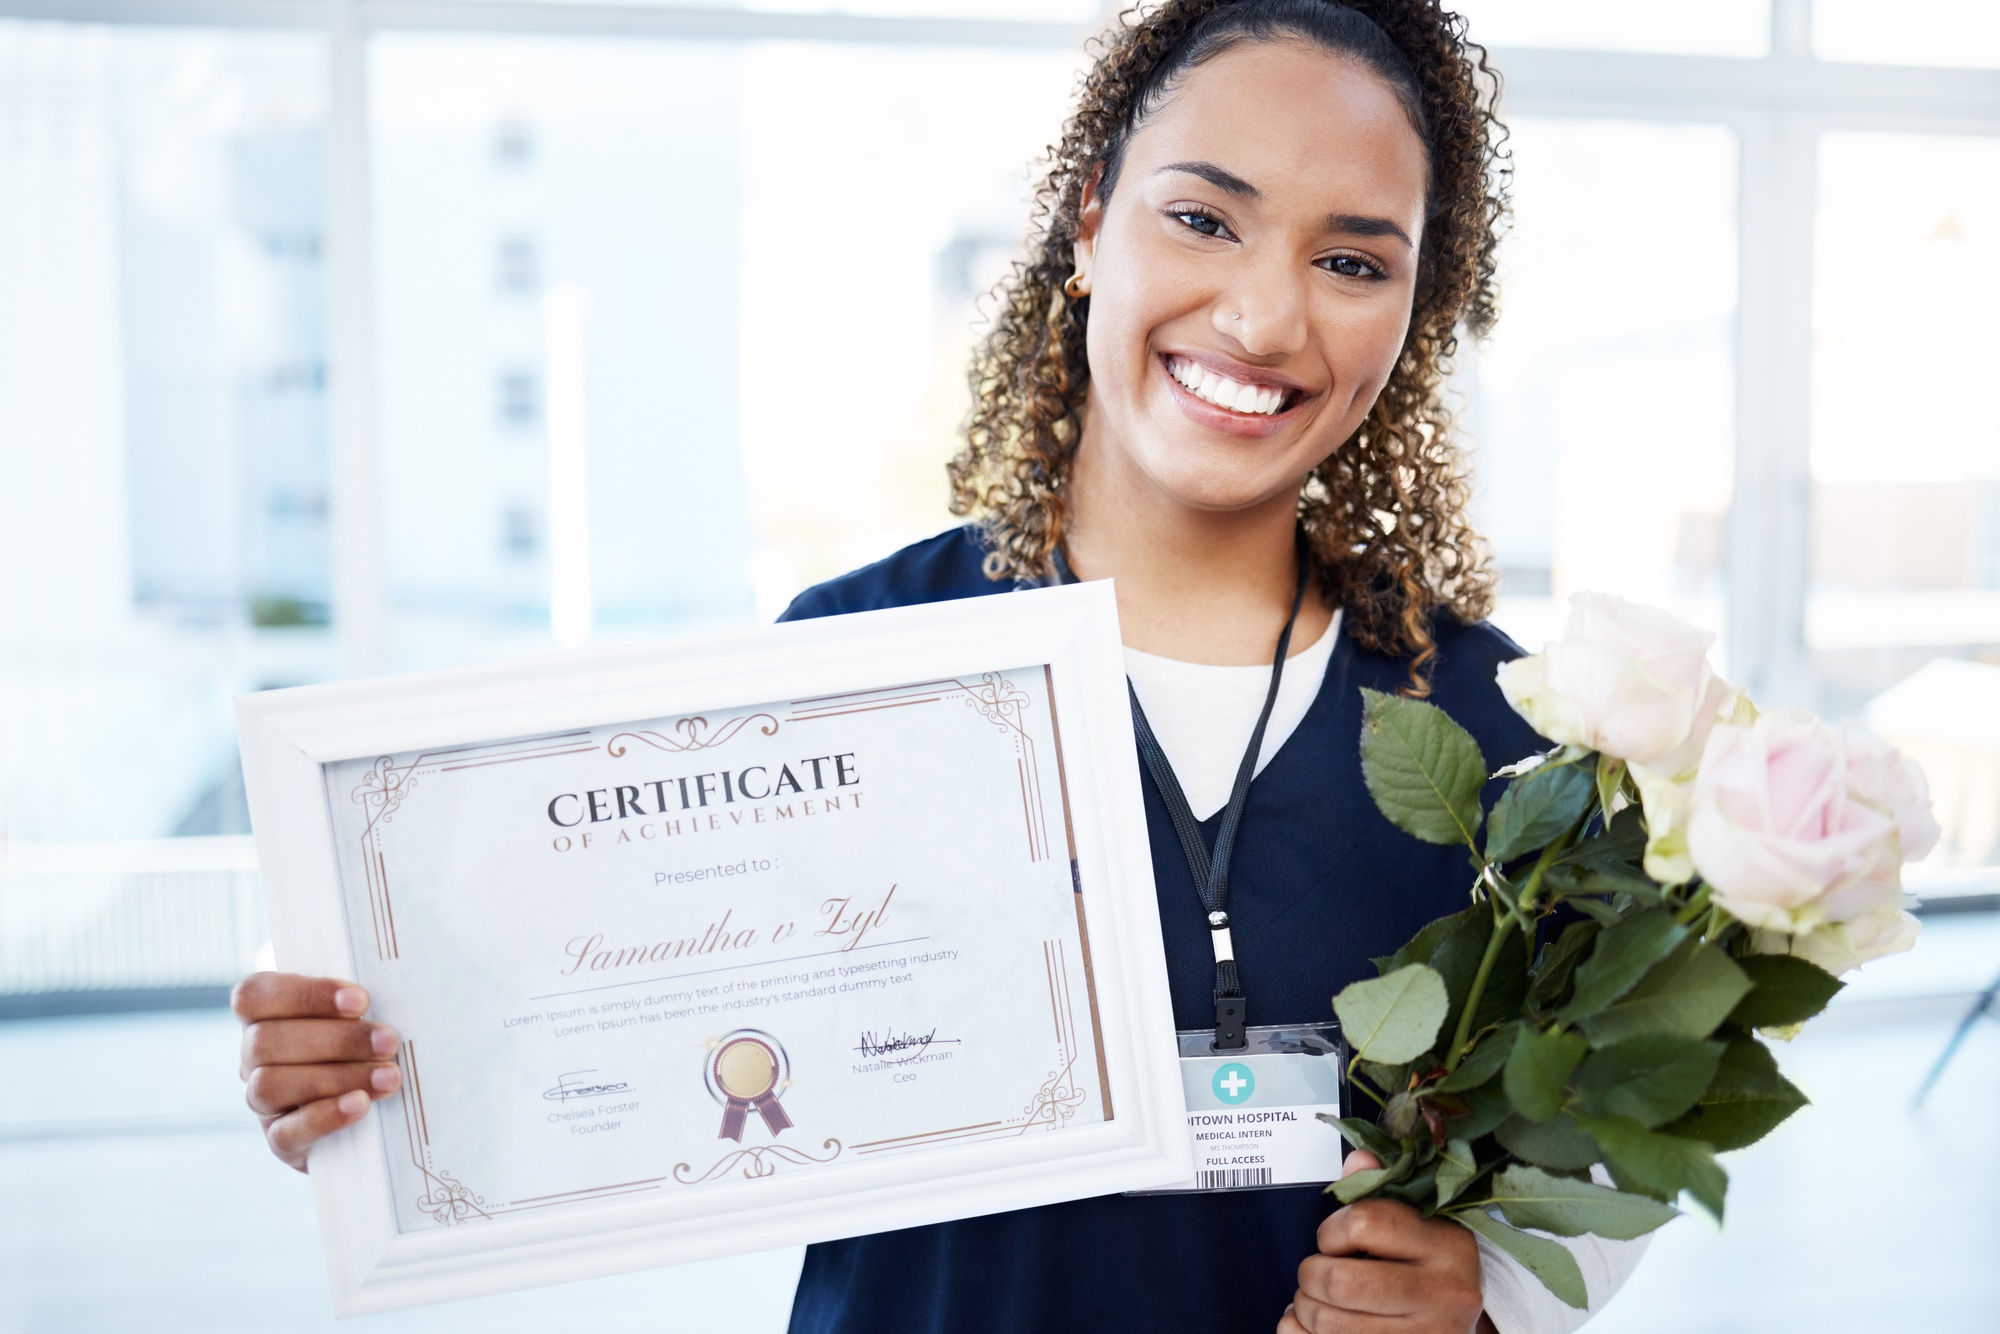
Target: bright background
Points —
{"points": [[350, 336]]}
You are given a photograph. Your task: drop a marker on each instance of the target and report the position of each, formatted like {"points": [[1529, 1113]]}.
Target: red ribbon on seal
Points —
{"points": [[736, 1109]]}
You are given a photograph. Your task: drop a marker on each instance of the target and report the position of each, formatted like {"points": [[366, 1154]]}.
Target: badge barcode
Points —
{"points": [[1234, 1178]]}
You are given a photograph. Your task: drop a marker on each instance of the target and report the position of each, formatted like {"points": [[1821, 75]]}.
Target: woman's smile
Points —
{"points": [[1229, 396]]}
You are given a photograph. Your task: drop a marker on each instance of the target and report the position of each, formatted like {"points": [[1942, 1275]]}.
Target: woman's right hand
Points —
{"points": [[311, 1063]]}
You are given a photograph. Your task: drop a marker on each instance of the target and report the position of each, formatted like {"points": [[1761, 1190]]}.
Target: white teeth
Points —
{"points": [[1224, 392]]}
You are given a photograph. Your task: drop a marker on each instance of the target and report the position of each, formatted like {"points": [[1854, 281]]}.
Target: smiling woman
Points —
{"points": [[1332, 265], [1217, 378]]}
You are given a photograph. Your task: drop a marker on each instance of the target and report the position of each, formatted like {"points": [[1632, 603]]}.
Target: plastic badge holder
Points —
{"points": [[1254, 1113]]}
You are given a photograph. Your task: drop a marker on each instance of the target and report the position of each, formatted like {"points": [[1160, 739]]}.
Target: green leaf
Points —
{"points": [[1745, 1101], [1549, 1261], [1362, 1135], [1536, 809], [1610, 779], [1422, 947], [1557, 1143], [1688, 993], [1356, 1185], [1659, 1165], [1387, 1078], [1566, 882], [1558, 962], [1486, 1107], [1424, 770], [1615, 847], [1456, 1166], [1484, 1062], [1597, 911], [1418, 1189], [1530, 1197], [1785, 989], [1539, 1067], [1395, 1017], [1403, 1114], [1625, 950], [1652, 1078]]}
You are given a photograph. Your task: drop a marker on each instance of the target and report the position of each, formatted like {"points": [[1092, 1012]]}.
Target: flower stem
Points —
{"points": [[1457, 1051], [1697, 902]]}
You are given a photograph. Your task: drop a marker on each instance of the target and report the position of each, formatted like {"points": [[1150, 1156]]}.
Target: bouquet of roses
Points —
{"points": [[1678, 875]]}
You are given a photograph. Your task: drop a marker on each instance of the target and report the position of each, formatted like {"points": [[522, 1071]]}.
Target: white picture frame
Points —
{"points": [[287, 736]]}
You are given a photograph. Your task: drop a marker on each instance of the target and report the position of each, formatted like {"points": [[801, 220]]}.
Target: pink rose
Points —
{"points": [[1778, 830], [1891, 782]]}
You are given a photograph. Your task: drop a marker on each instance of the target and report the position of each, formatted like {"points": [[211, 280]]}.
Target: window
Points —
{"points": [[520, 266], [520, 400], [1682, 27], [1910, 32], [164, 457], [1601, 408], [520, 532]]}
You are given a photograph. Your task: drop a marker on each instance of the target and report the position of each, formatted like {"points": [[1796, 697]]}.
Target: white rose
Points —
{"points": [[1627, 681], [1841, 947], [1633, 683], [1775, 829]]}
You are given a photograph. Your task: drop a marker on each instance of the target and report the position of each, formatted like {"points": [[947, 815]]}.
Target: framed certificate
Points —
{"points": [[736, 942]]}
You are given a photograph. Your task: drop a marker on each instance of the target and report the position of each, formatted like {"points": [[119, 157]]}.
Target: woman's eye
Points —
{"points": [[1351, 266], [1202, 222]]}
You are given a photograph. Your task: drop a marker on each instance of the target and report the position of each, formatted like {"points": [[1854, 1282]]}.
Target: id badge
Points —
{"points": [[1253, 1114]]}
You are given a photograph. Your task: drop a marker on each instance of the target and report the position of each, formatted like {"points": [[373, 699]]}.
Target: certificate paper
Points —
{"points": [[700, 949], [784, 966]]}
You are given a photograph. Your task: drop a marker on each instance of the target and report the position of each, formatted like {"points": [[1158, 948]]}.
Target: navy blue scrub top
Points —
{"points": [[1319, 885]]}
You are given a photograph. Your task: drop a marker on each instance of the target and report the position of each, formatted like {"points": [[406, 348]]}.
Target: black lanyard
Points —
{"points": [[1211, 872]]}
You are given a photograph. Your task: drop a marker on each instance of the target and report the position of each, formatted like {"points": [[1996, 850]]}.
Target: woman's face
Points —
{"points": [[1251, 276]]}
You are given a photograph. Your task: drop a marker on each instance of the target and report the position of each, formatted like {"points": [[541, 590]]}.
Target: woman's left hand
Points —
{"points": [[1382, 1266]]}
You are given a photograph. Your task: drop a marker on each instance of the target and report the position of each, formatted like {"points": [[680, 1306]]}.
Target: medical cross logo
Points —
{"points": [[1234, 1083]]}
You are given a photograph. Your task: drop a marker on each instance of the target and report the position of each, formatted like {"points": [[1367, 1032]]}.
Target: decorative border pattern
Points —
{"points": [[446, 1199], [694, 734], [384, 788], [756, 1162]]}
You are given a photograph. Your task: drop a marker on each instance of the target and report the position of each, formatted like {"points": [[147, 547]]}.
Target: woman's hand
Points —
{"points": [[311, 1063], [1382, 1266]]}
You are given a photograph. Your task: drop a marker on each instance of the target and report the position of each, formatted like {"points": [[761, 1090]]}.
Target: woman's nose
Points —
{"points": [[1264, 312]]}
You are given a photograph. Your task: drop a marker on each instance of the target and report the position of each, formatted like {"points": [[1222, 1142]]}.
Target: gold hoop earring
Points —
{"points": [[1074, 287]]}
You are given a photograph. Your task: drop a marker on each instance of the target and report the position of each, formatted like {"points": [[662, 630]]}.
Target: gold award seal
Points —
{"points": [[745, 1072]]}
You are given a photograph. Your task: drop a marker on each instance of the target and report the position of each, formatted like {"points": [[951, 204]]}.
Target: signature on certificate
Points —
{"points": [[574, 1085], [897, 1048]]}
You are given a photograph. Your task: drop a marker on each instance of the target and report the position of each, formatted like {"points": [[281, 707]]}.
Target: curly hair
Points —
{"points": [[1384, 514]]}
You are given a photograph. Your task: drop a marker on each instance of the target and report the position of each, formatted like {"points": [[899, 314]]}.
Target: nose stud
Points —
{"points": [[1237, 316]]}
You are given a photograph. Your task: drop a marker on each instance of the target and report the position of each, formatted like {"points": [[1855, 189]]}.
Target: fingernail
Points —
{"points": [[351, 1104], [350, 1000], [383, 1040], [386, 1079]]}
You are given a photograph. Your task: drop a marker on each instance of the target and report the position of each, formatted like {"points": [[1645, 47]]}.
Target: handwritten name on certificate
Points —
{"points": [[674, 953]]}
